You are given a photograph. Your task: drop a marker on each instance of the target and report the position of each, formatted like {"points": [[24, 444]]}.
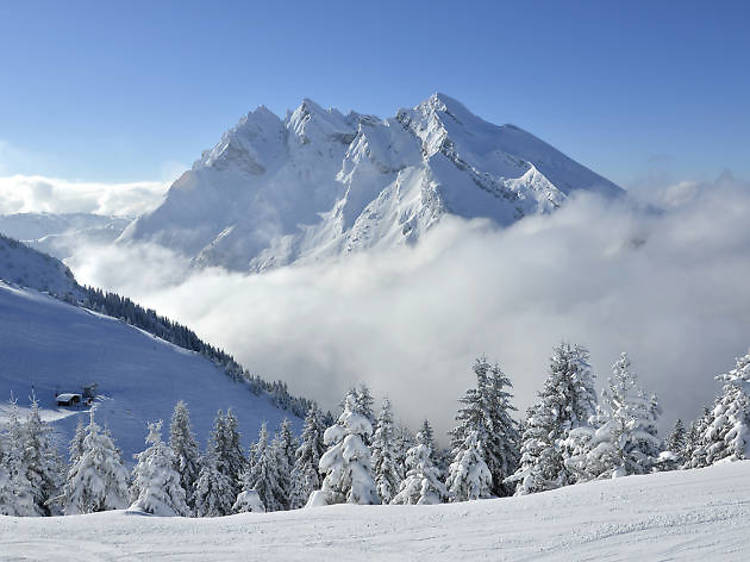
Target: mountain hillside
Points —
{"points": [[319, 183], [49, 346]]}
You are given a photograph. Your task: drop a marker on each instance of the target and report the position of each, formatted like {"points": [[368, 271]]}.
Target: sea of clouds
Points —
{"points": [[669, 282]]}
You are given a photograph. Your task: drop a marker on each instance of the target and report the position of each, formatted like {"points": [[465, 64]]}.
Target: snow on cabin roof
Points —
{"points": [[67, 396]]}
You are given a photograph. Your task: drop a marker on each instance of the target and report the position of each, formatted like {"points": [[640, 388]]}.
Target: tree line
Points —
{"points": [[570, 434]]}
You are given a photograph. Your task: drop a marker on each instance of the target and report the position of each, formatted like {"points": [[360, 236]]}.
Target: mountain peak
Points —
{"points": [[321, 183]]}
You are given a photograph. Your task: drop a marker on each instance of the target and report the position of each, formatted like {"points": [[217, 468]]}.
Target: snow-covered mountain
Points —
{"points": [[319, 183]]}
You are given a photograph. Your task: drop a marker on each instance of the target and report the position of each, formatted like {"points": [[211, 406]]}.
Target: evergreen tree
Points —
{"points": [[214, 490], [229, 449], [566, 402], [97, 481], [263, 476], [364, 403], [384, 459], [217, 486], [727, 435], [422, 484], [624, 440], [673, 456], [185, 451], [16, 492], [697, 447], [469, 478], [75, 449], [43, 464], [157, 486], [346, 463], [486, 410], [305, 475], [284, 446]]}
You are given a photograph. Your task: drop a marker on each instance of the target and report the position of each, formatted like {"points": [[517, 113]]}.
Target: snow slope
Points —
{"points": [[55, 346], [320, 183], [686, 515]]}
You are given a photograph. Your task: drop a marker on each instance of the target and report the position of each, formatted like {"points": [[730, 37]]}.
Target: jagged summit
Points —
{"points": [[319, 183]]}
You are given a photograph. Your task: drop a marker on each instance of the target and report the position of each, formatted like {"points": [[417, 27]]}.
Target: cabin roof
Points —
{"points": [[67, 396]]}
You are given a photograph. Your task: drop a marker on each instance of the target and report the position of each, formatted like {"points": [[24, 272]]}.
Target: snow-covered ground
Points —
{"points": [[688, 515], [54, 346]]}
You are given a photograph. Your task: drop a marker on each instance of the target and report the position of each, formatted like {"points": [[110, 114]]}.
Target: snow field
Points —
{"points": [[699, 514]]}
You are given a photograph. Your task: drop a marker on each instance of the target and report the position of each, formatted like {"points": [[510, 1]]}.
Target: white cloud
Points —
{"points": [[38, 194], [673, 289]]}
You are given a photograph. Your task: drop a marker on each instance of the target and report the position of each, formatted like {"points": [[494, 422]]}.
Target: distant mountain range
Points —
{"points": [[320, 184]]}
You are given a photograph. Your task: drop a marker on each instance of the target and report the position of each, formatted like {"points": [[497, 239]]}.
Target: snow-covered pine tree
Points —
{"points": [[422, 484], [16, 493], [217, 486], [229, 449], [214, 490], [404, 440], [43, 464], [364, 403], [566, 402], [157, 486], [75, 449], [305, 475], [284, 446], [97, 481], [263, 476], [696, 449], [384, 457], [469, 478], [727, 436], [503, 438], [187, 459], [486, 410], [672, 457], [346, 463]]}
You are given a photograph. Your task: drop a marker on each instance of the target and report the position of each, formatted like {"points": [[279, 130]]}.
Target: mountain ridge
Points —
{"points": [[320, 184]]}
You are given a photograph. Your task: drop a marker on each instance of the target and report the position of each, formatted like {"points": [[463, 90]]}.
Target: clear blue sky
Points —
{"points": [[114, 91]]}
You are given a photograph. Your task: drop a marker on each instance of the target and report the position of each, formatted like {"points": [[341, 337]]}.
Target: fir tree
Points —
{"points": [[75, 449], [727, 433], [305, 475], [157, 486], [486, 410], [422, 484], [263, 476], [218, 485], [214, 490], [43, 465], [625, 439], [284, 446], [346, 463], [248, 501], [566, 402], [16, 492], [97, 481], [184, 446], [384, 459], [673, 456], [469, 478]]}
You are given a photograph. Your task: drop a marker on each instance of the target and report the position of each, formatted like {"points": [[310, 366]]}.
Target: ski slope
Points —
{"points": [[54, 346], [687, 515]]}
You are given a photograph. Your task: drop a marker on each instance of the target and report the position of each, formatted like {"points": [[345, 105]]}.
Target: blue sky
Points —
{"points": [[107, 91]]}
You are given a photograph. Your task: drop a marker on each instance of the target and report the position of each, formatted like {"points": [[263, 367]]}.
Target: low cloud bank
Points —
{"points": [[671, 288], [38, 194]]}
